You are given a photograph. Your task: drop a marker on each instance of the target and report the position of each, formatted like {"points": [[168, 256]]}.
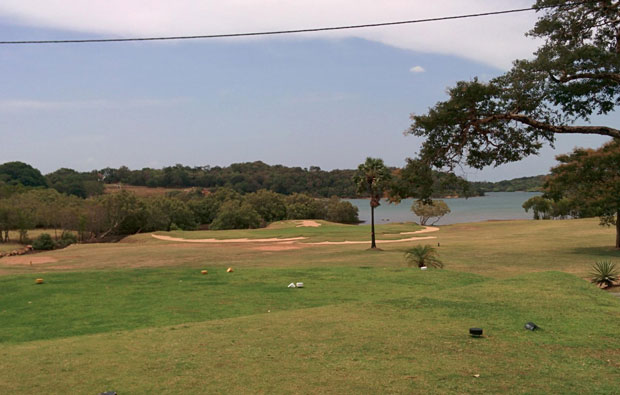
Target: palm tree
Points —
{"points": [[423, 256], [372, 178]]}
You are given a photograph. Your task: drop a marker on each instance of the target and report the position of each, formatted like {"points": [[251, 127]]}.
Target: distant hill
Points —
{"points": [[526, 184]]}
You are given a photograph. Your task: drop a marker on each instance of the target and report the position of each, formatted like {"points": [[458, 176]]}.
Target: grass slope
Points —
{"points": [[412, 342], [138, 317]]}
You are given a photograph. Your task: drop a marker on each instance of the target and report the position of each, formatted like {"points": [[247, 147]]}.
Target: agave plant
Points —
{"points": [[423, 256], [604, 273]]}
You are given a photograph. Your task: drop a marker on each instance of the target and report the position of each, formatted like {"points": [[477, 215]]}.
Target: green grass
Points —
{"points": [[78, 303], [406, 333], [138, 317]]}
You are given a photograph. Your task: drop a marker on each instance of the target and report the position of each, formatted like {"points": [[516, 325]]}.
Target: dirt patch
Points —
{"points": [[27, 260], [307, 223], [278, 247]]}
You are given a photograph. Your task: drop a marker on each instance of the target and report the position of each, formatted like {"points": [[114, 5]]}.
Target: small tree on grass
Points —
{"points": [[423, 256], [604, 274], [427, 210]]}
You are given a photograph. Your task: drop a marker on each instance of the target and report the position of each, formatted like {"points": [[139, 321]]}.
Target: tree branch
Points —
{"points": [[594, 76], [560, 129]]}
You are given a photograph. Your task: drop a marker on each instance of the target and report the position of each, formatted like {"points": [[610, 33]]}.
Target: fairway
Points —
{"points": [[139, 317]]}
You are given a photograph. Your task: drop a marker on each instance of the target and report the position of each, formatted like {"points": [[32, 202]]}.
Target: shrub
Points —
{"points": [[423, 256], [302, 206], [43, 242], [604, 274], [341, 211], [269, 205], [66, 239]]}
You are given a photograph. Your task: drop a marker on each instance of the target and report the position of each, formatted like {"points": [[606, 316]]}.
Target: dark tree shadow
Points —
{"points": [[604, 252]]}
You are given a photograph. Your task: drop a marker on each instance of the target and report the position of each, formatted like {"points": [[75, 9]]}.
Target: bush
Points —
{"points": [[43, 242], [604, 274], [236, 215], [66, 239], [423, 256], [269, 205], [341, 211], [301, 206]]}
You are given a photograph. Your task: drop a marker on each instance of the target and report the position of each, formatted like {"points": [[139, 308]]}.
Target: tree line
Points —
{"points": [[241, 177], [110, 216]]}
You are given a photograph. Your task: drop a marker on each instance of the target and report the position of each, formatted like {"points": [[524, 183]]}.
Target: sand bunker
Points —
{"points": [[366, 241], [27, 259], [244, 240], [307, 223], [428, 229]]}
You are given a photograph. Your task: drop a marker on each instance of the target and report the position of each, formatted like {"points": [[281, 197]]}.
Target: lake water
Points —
{"points": [[495, 205]]}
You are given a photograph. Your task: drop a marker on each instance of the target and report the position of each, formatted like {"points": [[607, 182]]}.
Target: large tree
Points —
{"points": [[372, 179], [575, 74], [590, 181]]}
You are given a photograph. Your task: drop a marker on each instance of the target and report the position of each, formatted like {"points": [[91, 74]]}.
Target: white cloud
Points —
{"points": [[417, 69], [494, 40]]}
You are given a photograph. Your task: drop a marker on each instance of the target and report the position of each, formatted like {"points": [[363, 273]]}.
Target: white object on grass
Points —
{"points": [[423, 268], [291, 285], [300, 285]]}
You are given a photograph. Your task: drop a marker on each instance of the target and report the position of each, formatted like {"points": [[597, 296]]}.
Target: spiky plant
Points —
{"points": [[423, 256], [604, 273]]}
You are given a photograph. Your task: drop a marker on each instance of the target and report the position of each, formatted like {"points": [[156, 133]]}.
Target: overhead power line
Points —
{"points": [[291, 31]]}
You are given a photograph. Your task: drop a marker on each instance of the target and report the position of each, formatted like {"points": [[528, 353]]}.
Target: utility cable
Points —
{"points": [[292, 31]]}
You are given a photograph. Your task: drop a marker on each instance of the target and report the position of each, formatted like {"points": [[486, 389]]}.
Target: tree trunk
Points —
{"points": [[372, 227], [618, 229]]}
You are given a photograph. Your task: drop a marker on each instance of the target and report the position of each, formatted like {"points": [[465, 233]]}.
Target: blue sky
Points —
{"points": [[328, 101]]}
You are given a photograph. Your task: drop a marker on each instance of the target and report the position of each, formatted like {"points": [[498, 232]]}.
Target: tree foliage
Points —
{"points": [[545, 208], [269, 205], [21, 173], [590, 181], [574, 74], [72, 182], [419, 181], [341, 211], [526, 184], [432, 209], [244, 178], [236, 215], [302, 206], [111, 216]]}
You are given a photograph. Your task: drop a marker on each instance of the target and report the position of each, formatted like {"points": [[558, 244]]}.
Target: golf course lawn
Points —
{"points": [[139, 317]]}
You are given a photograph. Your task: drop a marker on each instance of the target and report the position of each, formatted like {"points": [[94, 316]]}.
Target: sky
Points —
{"points": [[326, 99]]}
